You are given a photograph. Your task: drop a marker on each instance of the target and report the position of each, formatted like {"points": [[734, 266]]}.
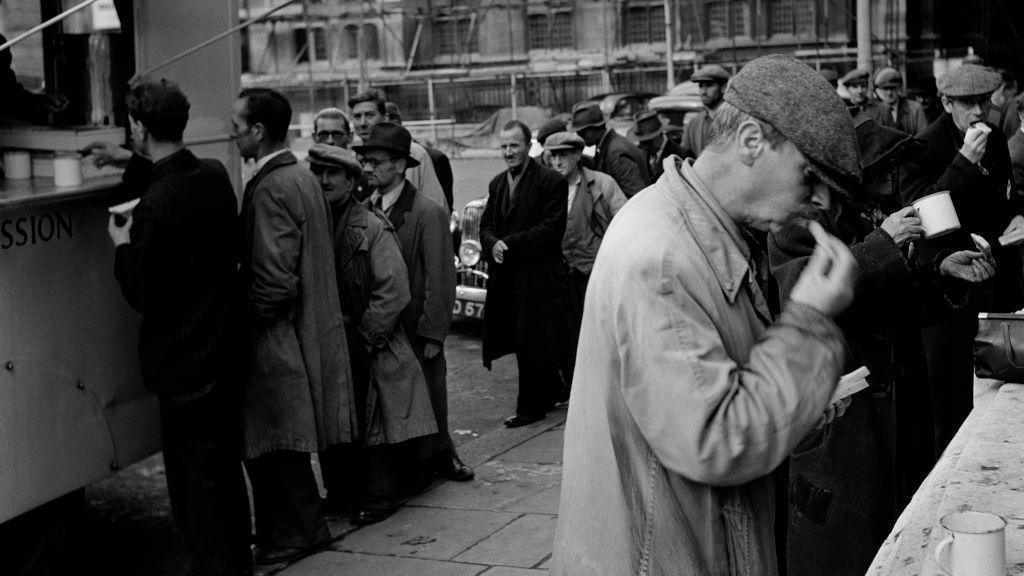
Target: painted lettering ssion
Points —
{"points": [[34, 229]]}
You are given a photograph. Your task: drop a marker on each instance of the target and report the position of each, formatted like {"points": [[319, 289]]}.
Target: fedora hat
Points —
{"points": [[648, 126], [391, 137], [587, 116]]}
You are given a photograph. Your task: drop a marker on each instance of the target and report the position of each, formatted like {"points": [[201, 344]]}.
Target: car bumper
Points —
{"points": [[469, 302]]}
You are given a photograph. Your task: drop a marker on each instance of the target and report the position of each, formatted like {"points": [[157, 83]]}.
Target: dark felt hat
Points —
{"points": [[335, 157], [969, 80], [711, 73], [548, 128], [858, 76], [888, 78], [587, 116], [564, 141], [648, 126], [800, 104], [391, 137], [882, 148]]}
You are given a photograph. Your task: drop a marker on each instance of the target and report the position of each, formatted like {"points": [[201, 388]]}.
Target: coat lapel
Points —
{"points": [[276, 162], [403, 205]]}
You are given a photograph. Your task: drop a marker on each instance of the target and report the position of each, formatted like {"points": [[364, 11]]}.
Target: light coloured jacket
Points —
{"points": [[597, 200], [685, 396]]}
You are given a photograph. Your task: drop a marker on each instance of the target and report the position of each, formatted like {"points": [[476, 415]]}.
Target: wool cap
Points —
{"points": [[335, 157], [803, 107], [564, 141], [549, 128], [711, 73], [969, 80], [391, 137], [858, 76], [648, 126], [587, 116], [888, 78]]}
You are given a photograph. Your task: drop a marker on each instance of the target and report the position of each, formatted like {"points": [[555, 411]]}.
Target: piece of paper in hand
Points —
{"points": [[850, 384], [124, 208]]}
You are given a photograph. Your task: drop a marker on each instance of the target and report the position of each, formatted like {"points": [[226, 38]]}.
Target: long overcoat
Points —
{"points": [[298, 393], [524, 292]]}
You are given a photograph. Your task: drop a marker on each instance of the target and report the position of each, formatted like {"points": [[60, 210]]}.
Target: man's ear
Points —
{"points": [[947, 104], [259, 131], [750, 142]]}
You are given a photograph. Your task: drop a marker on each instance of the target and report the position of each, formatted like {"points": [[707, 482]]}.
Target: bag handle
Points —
{"points": [[1009, 346]]}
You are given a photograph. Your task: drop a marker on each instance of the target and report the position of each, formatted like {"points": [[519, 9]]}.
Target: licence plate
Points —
{"points": [[468, 309]]}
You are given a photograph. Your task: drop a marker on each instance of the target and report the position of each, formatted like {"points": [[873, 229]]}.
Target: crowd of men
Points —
{"points": [[740, 265]]}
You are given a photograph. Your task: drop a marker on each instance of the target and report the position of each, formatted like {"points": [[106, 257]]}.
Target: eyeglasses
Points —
{"points": [[969, 102], [374, 162], [324, 135]]}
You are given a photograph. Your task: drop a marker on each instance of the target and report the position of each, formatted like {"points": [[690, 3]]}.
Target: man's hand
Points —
{"points": [[119, 234], [107, 154], [1014, 233], [826, 284], [975, 141], [903, 226], [969, 266], [431, 349], [498, 251], [833, 411]]}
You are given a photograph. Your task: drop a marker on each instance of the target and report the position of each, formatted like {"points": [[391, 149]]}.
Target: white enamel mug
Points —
{"points": [[937, 214], [976, 545]]}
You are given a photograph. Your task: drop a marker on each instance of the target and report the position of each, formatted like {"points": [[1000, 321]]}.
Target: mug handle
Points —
{"points": [[942, 547]]}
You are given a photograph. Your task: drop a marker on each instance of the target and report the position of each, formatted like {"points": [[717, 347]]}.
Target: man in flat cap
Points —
{"points": [[969, 158], [616, 156], [594, 198], [711, 80], [687, 395], [895, 111], [856, 84], [651, 138]]}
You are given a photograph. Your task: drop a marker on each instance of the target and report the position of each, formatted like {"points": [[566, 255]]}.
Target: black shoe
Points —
{"points": [[458, 471], [521, 420], [367, 516]]}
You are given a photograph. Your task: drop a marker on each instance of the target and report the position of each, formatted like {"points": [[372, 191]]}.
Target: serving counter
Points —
{"points": [[982, 470]]}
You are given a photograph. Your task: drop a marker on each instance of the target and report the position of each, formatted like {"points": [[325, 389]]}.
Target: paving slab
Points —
{"points": [[434, 533], [524, 543], [543, 502], [545, 448], [498, 485], [372, 565], [506, 571]]}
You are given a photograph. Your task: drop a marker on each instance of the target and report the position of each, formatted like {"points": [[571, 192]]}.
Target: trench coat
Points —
{"points": [[685, 398], [374, 289], [523, 293], [298, 391]]}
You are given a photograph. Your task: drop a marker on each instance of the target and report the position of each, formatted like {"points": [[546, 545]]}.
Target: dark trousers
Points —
{"points": [[949, 349], [359, 477], [538, 375], [202, 444], [286, 501], [575, 293]]}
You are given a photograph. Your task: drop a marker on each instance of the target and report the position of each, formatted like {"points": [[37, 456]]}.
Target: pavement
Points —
{"points": [[500, 524]]}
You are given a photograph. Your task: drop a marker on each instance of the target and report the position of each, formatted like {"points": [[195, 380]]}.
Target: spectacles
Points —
{"points": [[969, 102], [324, 135], [374, 162]]}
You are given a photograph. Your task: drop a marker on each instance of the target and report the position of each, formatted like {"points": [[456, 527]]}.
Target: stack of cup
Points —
{"points": [[17, 165]]}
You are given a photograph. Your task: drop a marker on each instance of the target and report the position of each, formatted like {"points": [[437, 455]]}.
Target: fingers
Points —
{"points": [[983, 246], [906, 212]]}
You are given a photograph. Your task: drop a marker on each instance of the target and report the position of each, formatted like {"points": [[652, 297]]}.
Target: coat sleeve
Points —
{"points": [[277, 245], [549, 229], [424, 178], [138, 264], [707, 416], [488, 238], [439, 264], [389, 287], [626, 172]]}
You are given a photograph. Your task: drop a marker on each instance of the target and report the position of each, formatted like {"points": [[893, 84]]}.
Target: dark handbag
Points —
{"points": [[999, 347]]}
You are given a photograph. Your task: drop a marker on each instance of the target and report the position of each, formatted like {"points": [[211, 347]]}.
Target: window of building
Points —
{"points": [[452, 36], [318, 50], [372, 41], [793, 17], [549, 31], [728, 18], [246, 47], [350, 41], [645, 23]]}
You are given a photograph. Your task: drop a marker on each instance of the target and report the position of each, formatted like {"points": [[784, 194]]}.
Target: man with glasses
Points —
{"points": [[331, 127], [969, 158]]}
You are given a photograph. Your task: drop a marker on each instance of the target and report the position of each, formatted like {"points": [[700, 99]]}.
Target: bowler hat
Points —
{"points": [[335, 157], [795, 100], [391, 137], [888, 78], [587, 116], [564, 141], [648, 126], [969, 80], [711, 73], [858, 76]]}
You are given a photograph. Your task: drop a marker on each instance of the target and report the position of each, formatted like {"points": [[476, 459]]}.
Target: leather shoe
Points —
{"points": [[458, 471], [367, 516], [521, 420]]}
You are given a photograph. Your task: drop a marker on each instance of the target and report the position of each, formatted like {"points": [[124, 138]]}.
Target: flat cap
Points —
{"points": [[335, 157], [801, 105], [858, 76], [888, 78], [969, 80], [564, 141], [711, 73], [548, 128]]}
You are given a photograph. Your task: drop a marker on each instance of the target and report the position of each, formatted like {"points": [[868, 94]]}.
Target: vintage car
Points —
{"points": [[470, 266]]}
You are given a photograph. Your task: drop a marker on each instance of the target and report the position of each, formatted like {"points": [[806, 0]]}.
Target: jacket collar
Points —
{"points": [[177, 162], [276, 162]]}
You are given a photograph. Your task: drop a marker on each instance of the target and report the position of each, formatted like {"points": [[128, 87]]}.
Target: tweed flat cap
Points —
{"points": [[335, 157], [802, 105], [969, 80], [888, 78], [648, 126], [587, 116], [711, 73], [858, 76], [549, 128], [564, 141]]}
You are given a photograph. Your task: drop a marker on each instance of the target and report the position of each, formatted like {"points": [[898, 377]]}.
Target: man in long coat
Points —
{"points": [[616, 156], [521, 233], [298, 389], [652, 139], [687, 395]]}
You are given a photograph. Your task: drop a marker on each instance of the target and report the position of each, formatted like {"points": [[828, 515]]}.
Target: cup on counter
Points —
{"points": [[67, 169], [976, 545], [937, 214], [17, 165]]}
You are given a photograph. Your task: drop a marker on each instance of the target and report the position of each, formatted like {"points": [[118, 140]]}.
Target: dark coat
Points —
{"points": [[298, 394], [624, 161], [374, 289], [910, 117], [1016, 148], [669, 149], [179, 270], [523, 292]]}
